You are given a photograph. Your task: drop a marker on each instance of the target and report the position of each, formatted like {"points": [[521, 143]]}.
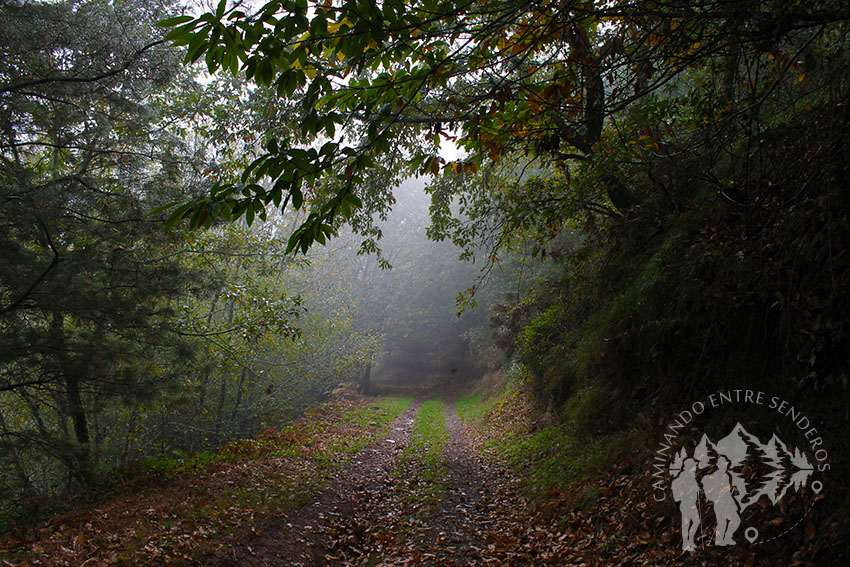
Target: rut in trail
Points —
{"points": [[481, 519], [314, 534], [364, 519]]}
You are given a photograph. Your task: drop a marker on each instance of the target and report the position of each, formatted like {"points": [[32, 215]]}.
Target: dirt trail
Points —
{"points": [[364, 519], [375, 517], [473, 523], [336, 527]]}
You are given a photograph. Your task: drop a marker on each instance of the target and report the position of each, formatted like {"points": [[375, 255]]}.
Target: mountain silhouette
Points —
{"points": [[770, 468]]}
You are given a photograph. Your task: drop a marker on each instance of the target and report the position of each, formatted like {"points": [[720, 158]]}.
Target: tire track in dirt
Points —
{"points": [[475, 522], [364, 520], [344, 522]]}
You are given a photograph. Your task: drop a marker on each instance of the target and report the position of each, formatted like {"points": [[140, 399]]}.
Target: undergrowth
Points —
{"points": [[473, 407], [184, 509], [550, 460]]}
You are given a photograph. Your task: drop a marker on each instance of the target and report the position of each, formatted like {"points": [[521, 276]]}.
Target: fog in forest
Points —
{"points": [[252, 252], [412, 307]]}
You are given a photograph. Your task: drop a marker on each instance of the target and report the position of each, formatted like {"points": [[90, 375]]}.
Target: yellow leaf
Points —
{"points": [[334, 27]]}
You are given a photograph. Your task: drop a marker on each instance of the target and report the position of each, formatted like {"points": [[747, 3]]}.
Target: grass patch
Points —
{"points": [[323, 447], [549, 460], [474, 408], [389, 406], [421, 462], [555, 457]]}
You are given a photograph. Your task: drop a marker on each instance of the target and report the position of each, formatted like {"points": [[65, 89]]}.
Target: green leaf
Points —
{"points": [[276, 195], [175, 21], [179, 35], [163, 208], [354, 200], [197, 46], [177, 215]]}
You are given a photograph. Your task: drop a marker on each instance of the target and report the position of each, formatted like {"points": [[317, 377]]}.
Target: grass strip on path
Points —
{"points": [[421, 463]]}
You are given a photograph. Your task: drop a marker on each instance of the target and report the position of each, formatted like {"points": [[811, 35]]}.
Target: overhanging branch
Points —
{"points": [[61, 79]]}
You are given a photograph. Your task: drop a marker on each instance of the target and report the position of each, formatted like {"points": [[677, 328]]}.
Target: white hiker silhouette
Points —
{"points": [[724, 483], [718, 489], [686, 492]]}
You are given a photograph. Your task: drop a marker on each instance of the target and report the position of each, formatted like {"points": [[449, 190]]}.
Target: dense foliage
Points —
{"points": [[671, 176], [378, 81], [681, 158], [120, 340], [86, 276]]}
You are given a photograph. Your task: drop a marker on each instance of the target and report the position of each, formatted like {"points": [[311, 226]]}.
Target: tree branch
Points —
{"points": [[53, 263], [105, 75]]}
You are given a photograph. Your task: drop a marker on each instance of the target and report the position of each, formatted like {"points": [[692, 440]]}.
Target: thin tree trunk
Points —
{"points": [[198, 437], [205, 378], [162, 413], [236, 404], [251, 397], [35, 413], [81, 428], [219, 409], [131, 430], [365, 379]]}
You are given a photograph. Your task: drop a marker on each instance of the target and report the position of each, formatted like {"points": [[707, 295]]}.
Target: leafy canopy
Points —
{"points": [[495, 76]]}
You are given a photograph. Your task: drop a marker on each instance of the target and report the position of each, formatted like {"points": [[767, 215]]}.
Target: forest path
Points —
{"points": [[376, 514], [340, 518], [479, 519]]}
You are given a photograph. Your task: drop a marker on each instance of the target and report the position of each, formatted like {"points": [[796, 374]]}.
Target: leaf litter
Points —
{"points": [[362, 516]]}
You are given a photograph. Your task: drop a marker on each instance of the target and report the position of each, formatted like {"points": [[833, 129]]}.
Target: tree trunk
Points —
{"points": [[220, 409], [239, 388], [198, 438], [81, 457], [81, 428], [205, 377], [124, 455], [26, 485], [365, 377]]}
